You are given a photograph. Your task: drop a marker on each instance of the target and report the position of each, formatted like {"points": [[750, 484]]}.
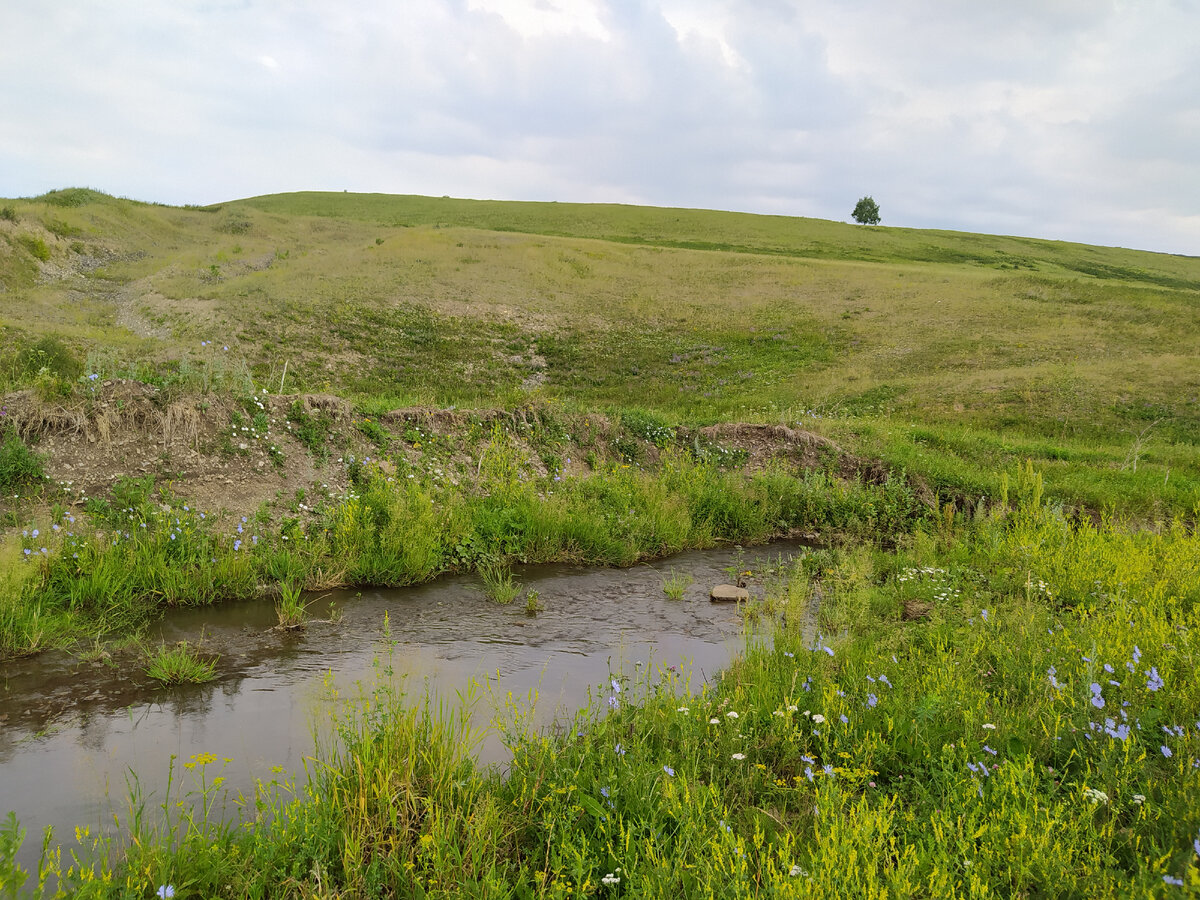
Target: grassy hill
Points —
{"points": [[942, 352]]}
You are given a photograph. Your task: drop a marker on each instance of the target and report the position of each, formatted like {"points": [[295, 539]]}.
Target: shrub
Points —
{"points": [[18, 464], [36, 246], [51, 354], [8, 214]]}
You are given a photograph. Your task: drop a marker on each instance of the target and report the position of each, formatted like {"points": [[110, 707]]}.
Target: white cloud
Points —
{"points": [[1074, 119]]}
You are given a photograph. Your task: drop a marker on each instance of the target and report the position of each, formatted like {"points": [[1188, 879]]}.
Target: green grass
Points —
{"points": [[498, 584], [675, 584], [955, 359], [985, 750], [19, 465], [180, 664], [111, 569]]}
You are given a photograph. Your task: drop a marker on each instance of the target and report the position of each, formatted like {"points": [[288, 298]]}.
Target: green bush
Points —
{"points": [[51, 354], [36, 246], [8, 214], [18, 464]]}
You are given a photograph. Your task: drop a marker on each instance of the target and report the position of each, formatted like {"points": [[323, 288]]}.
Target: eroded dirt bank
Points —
{"points": [[234, 454]]}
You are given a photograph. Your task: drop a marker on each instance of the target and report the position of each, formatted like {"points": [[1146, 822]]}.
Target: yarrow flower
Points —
{"points": [[1095, 796], [738, 756]]}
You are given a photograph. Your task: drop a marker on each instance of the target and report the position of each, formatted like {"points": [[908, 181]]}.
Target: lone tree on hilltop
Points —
{"points": [[866, 212]]}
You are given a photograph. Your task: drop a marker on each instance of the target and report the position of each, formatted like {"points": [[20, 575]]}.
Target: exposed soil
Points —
{"points": [[192, 446]]}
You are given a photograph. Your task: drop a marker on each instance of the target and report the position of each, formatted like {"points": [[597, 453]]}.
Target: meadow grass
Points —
{"points": [[613, 305], [1035, 731]]}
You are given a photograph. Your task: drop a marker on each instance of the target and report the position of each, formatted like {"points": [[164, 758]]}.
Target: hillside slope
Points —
{"points": [[1002, 346]]}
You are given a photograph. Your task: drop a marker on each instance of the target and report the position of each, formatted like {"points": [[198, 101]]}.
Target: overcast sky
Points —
{"points": [[1069, 119]]}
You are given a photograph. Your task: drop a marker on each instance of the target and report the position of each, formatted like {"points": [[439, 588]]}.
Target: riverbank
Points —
{"points": [[996, 706], [478, 492]]}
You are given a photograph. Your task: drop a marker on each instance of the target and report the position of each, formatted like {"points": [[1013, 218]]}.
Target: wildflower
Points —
{"points": [[988, 749], [166, 891], [616, 687], [731, 715], [1153, 681], [828, 650], [872, 700], [611, 878], [818, 718], [1097, 699], [1171, 879], [1051, 672], [808, 772], [989, 726], [1095, 796], [795, 871], [613, 702], [983, 614], [604, 792], [714, 721], [738, 756], [808, 683], [845, 721], [884, 679], [827, 769], [669, 771], [1166, 751], [682, 709], [619, 750], [1139, 799]]}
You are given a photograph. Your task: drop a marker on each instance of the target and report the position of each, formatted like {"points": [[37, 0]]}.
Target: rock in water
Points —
{"points": [[728, 593]]}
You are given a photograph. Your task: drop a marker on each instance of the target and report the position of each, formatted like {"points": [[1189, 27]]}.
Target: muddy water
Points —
{"points": [[72, 732]]}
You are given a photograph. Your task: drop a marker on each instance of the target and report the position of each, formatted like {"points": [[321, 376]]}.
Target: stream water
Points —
{"points": [[73, 732]]}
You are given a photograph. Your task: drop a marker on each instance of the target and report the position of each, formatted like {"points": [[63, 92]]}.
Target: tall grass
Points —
{"points": [[1036, 733], [130, 557]]}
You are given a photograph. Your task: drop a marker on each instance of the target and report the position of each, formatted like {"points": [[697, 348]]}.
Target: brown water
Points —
{"points": [[71, 732]]}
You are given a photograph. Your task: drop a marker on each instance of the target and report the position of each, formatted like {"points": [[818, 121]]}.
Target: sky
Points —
{"points": [[1074, 120]]}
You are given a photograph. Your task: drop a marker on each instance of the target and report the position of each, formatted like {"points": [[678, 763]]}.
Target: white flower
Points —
{"points": [[611, 878], [818, 718], [682, 709], [779, 712], [738, 756], [794, 871], [793, 708], [1098, 797], [731, 715], [714, 721], [989, 726], [1139, 799]]}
